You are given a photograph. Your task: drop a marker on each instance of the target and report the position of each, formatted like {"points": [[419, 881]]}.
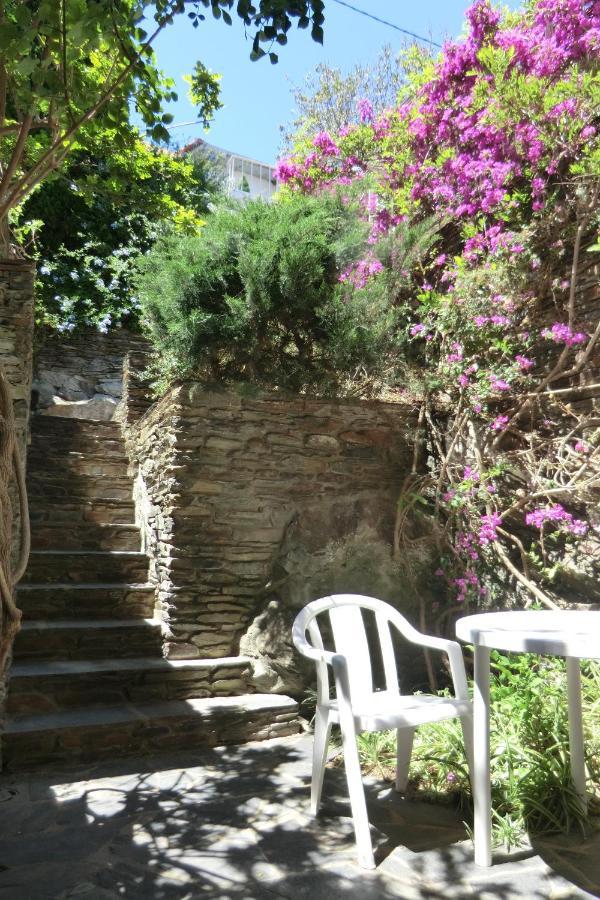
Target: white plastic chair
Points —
{"points": [[358, 707]]}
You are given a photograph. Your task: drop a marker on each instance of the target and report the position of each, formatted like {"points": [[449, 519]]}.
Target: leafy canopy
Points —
{"points": [[329, 99], [87, 224], [64, 66]]}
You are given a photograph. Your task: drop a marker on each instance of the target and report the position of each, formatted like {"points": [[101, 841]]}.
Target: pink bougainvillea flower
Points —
{"points": [[468, 580], [487, 530], [524, 362], [558, 515], [365, 110], [286, 169], [561, 333], [359, 273], [566, 107], [499, 423], [457, 353], [498, 384], [326, 144]]}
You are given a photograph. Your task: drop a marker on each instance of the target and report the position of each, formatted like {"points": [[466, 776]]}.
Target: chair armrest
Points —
{"points": [[325, 656], [307, 649], [457, 663], [444, 645]]}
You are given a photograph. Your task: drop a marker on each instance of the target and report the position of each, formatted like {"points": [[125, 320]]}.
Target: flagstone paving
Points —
{"points": [[233, 824]]}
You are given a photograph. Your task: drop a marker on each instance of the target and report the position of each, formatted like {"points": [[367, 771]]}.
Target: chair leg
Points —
{"points": [[404, 744], [357, 800], [320, 745], [467, 730]]}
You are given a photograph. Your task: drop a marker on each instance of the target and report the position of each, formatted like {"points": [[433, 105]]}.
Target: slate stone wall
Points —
{"points": [[16, 336], [84, 368], [222, 481]]}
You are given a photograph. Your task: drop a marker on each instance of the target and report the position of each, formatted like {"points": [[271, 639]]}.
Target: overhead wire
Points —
{"points": [[369, 15], [362, 12]]}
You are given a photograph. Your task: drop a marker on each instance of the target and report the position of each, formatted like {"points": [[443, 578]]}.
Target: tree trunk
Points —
{"points": [[9, 250], [11, 617], [16, 353]]}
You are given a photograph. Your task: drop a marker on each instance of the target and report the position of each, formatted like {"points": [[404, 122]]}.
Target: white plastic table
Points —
{"points": [[572, 634]]}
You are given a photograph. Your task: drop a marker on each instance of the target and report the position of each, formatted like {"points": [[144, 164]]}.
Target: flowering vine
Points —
{"points": [[496, 141]]}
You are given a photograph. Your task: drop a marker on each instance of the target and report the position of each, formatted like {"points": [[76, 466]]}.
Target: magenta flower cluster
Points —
{"points": [[561, 333], [466, 584], [464, 160], [558, 516], [499, 423], [487, 531], [461, 151], [358, 275], [365, 111]]}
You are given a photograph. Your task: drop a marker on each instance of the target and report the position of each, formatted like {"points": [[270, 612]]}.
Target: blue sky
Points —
{"points": [[257, 96]]}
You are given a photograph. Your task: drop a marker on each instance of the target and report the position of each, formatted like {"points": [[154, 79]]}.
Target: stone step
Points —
{"points": [[50, 536], [44, 687], [94, 639], [59, 445], [56, 435], [71, 463], [61, 426], [89, 735], [42, 486], [86, 601], [86, 565], [72, 511]]}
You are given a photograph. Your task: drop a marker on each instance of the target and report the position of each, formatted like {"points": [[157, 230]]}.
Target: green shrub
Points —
{"points": [[256, 297], [532, 790], [92, 220]]}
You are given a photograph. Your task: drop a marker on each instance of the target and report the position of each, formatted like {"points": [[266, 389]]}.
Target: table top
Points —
{"points": [[562, 633]]}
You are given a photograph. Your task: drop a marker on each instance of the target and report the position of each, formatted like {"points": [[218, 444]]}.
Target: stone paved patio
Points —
{"points": [[232, 824]]}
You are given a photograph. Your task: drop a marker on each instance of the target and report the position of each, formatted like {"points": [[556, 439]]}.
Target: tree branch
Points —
{"points": [[17, 153], [3, 78], [522, 579], [32, 178]]}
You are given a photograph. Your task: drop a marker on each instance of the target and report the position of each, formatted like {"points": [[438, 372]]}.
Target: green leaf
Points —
{"points": [[159, 133], [317, 34], [8, 33], [26, 66]]}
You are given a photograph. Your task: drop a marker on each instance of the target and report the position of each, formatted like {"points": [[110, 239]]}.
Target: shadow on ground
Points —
{"points": [[232, 824]]}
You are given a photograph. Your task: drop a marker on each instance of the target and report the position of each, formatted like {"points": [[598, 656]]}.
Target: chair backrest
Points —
{"points": [[347, 627]]}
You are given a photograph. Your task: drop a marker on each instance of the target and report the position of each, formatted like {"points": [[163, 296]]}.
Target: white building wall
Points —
{"points": [[249, 179]]}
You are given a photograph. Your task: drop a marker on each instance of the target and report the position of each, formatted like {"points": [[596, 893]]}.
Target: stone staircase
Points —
{"points": [[88, 680]]}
